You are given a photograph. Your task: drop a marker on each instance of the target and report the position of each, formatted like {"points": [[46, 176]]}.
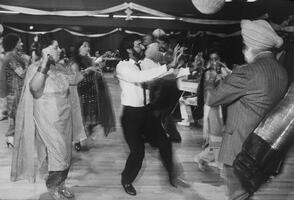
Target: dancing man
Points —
{"points": [[138, 121]]}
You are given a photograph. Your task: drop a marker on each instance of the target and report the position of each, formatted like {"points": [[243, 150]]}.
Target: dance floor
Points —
{"points": [[95, 174]]}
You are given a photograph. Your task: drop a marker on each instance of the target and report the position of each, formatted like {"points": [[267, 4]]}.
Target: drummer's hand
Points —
{"points": [[225, 71]]}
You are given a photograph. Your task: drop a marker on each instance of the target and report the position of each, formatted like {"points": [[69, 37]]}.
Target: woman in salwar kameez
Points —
{"points": [[96, 106], [213, 122], [44, 123]]}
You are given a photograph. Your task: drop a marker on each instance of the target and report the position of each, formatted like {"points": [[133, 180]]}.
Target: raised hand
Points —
{"points": [[178, 51], [94, 69], [47, 61], [225, 71]]}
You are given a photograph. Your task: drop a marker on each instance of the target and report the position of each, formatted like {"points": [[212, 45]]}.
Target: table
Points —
{"points": [[187, 85]]}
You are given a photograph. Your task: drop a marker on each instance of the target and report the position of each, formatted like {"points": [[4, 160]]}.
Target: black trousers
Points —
{"points": [[139, 126], [164, 95]]}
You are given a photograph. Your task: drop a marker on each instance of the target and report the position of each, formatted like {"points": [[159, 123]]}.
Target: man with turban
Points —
{"points": [[249, 93]]}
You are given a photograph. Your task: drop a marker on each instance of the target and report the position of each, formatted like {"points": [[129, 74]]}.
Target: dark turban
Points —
{"points": [[10, 41], [259, 34]]}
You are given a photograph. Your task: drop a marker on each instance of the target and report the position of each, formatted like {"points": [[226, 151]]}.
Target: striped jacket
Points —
{"points": [[249, 93]]}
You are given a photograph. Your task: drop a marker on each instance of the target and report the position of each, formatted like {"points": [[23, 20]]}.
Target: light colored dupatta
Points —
{"points": [[25, 160]]}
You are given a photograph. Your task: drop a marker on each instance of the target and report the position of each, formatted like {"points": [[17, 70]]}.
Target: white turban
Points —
{"points": [[259, 34]]}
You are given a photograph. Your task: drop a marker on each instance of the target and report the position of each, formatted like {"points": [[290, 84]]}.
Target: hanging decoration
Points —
{"points": [[129, 12], [129, 8], [189, 34], [67, 30], [122, 7], [284, 26], [208, 6], [134, 32]]}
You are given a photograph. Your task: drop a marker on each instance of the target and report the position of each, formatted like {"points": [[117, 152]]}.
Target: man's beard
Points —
{"points": [[137, 55], [19, 50]]}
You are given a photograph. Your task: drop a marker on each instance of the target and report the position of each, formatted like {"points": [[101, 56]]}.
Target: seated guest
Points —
{"points": [[186, 103], [199, 65]]}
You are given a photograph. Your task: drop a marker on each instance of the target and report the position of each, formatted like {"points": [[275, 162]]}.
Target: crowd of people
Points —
{"points": [[54, 103]]}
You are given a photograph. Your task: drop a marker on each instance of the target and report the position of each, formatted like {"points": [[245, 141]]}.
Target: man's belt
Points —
{"points": [[264, 150]]}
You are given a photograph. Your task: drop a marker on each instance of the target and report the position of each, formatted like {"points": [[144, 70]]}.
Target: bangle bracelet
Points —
{"points": [[43, 70]]}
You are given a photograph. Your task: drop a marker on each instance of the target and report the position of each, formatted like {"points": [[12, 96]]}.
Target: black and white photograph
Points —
{"points": [[146, 99]]}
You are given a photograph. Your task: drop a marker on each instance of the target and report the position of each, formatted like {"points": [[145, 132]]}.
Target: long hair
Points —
{"points": [[82, 61]]}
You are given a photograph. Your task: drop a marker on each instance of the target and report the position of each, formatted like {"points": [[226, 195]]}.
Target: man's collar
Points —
{"points": [[132, 61]]}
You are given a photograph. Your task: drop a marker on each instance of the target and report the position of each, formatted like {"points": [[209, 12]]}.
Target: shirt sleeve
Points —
{"points": [[17, 69], [129, 74], [228, 90]]}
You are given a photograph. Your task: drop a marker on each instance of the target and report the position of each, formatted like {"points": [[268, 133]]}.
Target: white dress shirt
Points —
{"points": [[130, 80], [147, 63]]}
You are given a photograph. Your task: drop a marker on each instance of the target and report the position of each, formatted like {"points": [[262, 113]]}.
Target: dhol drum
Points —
{"points": [[264, 150]]}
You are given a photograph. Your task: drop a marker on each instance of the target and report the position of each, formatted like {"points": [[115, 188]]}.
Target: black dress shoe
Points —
{"points": [[129, 188]]}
